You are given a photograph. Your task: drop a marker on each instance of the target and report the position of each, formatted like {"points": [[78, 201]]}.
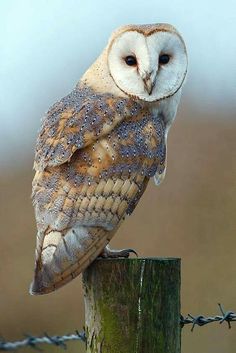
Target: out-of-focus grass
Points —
{"points": [[191, 215]]}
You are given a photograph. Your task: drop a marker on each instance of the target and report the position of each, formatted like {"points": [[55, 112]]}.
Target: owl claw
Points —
{"points": [[111, 253]]}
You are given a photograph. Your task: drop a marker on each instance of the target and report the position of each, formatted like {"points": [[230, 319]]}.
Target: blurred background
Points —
{"points": [[44, 49]]}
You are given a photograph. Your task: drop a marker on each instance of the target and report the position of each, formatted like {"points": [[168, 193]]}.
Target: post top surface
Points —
{"points": [[141, 259]]}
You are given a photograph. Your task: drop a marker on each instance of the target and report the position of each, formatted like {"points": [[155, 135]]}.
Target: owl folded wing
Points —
{"points": [[75, 122]]}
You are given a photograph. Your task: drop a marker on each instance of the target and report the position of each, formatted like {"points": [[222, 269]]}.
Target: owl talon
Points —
{"points": [[113, 254]]}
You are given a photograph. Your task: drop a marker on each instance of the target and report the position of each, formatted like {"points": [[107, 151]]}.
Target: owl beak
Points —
{"points": [[148, 83]]}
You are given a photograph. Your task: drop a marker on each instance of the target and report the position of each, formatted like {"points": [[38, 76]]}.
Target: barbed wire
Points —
{"points": [[60, 341], [201, 320], [33, 342]]}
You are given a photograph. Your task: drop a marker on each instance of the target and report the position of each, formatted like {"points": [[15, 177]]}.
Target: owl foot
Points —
{"points": [[111, 253]]}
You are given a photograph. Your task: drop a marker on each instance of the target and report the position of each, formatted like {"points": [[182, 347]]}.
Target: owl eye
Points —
{"points": [[164, 59], [131, 60]]}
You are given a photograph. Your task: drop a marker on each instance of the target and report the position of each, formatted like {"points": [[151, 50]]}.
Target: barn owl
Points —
{"points": [[99, 146]]}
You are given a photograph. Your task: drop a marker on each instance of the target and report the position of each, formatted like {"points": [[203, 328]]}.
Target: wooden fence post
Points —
{"points": [[133, 305]]}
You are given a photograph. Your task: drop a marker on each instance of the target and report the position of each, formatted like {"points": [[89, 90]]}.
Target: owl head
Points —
{"points": [[148, 62]]}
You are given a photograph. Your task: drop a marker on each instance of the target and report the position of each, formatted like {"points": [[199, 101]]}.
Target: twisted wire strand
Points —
{"points": [[33, 342]]}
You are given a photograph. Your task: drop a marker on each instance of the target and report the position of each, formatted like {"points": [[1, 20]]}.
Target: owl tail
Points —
{"points": [[60, 258]]}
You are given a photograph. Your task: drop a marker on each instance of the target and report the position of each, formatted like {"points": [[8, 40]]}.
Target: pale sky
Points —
{"points": [[45, 46]]}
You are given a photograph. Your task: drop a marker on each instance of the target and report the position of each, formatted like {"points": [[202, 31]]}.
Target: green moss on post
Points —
{"points": [[133, 305]]}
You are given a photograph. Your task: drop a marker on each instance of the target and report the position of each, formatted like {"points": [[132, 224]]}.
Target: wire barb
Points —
{"points": [[201, 320]]}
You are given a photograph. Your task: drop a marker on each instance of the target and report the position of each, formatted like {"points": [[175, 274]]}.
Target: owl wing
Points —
{"points": [[63, 255], [75, 122], [76, 220]]}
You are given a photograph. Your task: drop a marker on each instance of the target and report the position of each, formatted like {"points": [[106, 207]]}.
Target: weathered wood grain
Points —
{"points": [[133, 305]]}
